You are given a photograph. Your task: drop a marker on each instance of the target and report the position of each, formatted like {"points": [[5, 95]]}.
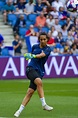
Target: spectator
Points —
{"points": [[57, 25], [1, 43], [74, 49], [20, 6], [76, 35], [31, 31], [46, 2], [60, 43], [76, 22], [73, 30], [19, 23], [57, 4], [63, 1], [54, 13], [51, 41], [66, 51], [62, 13], [70, 38], [62, 16], [64, 32], [69, 23], [17, 45], [59, 38], [40, 20], [50, 21], [55, 52], [30, 7], [53, 32], [44, 10], [39, 6], [8, 8], [60, 47]]}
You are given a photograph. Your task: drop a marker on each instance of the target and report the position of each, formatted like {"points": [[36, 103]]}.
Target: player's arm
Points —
{"points": [[30, 56], [42, 54]]}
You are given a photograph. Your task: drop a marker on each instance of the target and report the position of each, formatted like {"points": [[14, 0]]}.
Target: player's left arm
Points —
{"points": [[41, 55], [28, 56]]}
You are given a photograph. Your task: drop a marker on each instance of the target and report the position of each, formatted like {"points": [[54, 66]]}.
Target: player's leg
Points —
{"points": [[24, 102], [28, 96], [31, 89], [40, 90], [34, 76], [30, 92], [39, 84]]}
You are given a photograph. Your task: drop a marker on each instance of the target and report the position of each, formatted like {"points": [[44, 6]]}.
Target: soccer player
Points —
{"points": [[35, 72]]}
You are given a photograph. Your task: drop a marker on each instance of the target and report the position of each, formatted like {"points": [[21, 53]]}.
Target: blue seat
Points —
{"points": [[5, 52], [12, 19], [32, 18], [36, 29], [27, 1], [28, 23], [25, 16], [1, 5], [22, 31], [45, 29]]}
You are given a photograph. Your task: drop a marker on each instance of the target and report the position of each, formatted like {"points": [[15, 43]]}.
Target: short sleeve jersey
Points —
{"points": [[38, 63]]}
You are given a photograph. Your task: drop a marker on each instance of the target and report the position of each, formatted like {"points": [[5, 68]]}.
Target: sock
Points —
{"points": [[43, 101], [21, 108]]}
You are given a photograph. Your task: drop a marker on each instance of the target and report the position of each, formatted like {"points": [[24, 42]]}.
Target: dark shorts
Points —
{"points": [[32, 74]]}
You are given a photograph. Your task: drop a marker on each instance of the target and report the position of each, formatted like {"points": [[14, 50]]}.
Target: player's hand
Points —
{"points": [[28, 56]]}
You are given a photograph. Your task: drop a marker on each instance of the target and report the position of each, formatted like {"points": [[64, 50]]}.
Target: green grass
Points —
{"points": [[62, 94]]}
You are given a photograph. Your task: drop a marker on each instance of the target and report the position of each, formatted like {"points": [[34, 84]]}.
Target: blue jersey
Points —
{"points": [[38, 63]]}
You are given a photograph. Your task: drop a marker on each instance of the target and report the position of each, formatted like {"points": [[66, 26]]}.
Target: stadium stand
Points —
{"points": [[1, 5], [7, 32], [12, 19], [67, 21]]}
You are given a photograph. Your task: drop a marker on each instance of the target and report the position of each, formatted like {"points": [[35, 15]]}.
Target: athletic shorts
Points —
{"points": [[32, 74]]}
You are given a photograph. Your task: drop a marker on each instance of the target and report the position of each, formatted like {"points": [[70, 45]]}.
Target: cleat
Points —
{"points": [[17, 113], [48, 108]]}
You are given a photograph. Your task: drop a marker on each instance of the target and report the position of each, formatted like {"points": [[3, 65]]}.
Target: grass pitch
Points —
{"points": [[62, 94]]}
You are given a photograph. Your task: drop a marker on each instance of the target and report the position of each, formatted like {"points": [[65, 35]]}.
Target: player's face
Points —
{"points": [[43, 40]]}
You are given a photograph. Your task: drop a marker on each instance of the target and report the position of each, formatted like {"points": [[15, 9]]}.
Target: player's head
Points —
{"points": [[43, 35], [43, 38]]}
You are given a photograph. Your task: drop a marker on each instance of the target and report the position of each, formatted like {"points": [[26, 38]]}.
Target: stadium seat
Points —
{"points": [[27, 1], [22, 31], [28, 23], [12, 19], [45, 29], [32, 18], [10, 49], [36, 29], [5, 52], [1, 5]]}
